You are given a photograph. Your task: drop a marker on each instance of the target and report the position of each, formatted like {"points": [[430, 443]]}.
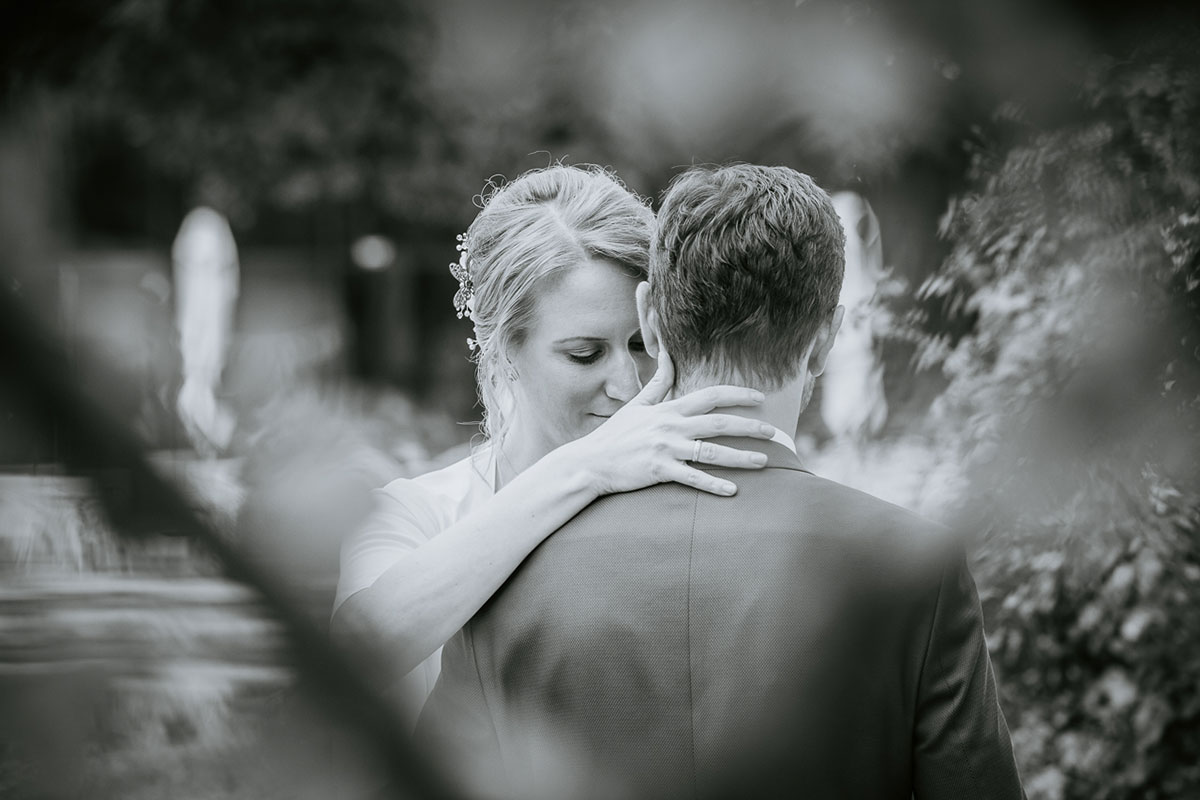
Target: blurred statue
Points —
{"points": [[853, 404], [205, 263]]}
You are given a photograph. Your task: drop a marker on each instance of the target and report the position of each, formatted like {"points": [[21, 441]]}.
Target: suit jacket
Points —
{"points": [[799, 639]]}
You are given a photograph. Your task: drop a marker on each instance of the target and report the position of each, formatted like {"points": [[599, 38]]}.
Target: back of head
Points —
{"points": [[745, 266], [542, 223]]}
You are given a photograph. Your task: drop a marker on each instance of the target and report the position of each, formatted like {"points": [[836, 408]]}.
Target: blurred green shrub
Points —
{"points": [[1073, 405]]}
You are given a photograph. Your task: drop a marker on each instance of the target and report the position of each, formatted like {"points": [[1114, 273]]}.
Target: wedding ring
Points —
{"points": [[696, 450]]}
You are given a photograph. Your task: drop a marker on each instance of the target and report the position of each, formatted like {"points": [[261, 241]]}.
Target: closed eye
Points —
{"points": [[585, 358], [637, 345]]}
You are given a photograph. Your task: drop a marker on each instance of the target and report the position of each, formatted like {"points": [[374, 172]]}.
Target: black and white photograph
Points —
{"points": [[609, 400]]}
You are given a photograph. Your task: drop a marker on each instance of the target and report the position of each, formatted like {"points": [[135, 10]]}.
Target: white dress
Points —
{"points": [[409, 512]]}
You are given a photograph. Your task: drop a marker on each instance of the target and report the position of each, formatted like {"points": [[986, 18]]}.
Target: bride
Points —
{"points": [[574, 409]]}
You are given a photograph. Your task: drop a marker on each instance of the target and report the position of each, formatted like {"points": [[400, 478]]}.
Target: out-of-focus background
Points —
{"points": [[230, 224]]}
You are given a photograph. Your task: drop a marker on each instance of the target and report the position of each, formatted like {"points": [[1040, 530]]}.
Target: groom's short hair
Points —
{"points": [[745, 265]]}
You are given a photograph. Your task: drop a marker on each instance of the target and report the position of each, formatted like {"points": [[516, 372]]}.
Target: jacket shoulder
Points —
{"points": [[876, 538]]}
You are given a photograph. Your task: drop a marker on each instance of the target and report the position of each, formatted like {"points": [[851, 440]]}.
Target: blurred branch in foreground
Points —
{"points": [[139, 502]]}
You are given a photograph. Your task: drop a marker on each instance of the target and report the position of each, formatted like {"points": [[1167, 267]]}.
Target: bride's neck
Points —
{"points": [[516, 450]]}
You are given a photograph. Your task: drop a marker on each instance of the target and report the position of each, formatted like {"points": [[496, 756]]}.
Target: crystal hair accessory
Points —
{"points": [[466, 289]]}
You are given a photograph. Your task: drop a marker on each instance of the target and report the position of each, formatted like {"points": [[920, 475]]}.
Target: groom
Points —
{"points": [[798, 639]]}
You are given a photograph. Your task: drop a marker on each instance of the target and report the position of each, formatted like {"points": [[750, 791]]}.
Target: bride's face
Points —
{"points": [[582, 358]]}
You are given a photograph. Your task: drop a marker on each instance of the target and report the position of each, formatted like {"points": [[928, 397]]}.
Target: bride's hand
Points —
{"points": [[649, 441]]}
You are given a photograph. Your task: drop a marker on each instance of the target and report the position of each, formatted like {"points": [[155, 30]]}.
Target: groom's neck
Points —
{"points": [[781, 407]]}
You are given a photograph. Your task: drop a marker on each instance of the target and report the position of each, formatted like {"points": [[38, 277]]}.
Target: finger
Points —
{"points": [[706, 426], [689, 476], [719, 455], [659, 384], [704, 400]]}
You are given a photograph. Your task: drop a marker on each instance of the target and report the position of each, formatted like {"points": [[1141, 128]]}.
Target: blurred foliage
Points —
{"points": [[1073, 404], [264, 102], [403, 109]]}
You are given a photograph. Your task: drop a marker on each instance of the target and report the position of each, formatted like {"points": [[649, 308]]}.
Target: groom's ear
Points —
{"points": [[824, 341], [648, 320]]}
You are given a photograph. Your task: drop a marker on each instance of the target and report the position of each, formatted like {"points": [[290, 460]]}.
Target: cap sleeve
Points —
{"points": [[404, 517]]}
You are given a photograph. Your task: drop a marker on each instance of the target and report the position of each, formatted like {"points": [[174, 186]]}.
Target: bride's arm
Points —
{"points": [[431, 591]]}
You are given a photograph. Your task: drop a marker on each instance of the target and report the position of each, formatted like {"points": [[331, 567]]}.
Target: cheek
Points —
{"points": [[570, 397], [646, 367], [556, 390], [577, 390]]}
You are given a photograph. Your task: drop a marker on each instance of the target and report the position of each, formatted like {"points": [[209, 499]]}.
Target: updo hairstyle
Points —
{"points": [[537, 226]]}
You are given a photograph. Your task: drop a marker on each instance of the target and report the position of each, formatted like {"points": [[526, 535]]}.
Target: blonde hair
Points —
{"points": [[539, 225]]}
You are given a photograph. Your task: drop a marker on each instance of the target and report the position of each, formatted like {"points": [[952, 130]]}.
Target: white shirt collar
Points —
{"points": [[785, 440]]}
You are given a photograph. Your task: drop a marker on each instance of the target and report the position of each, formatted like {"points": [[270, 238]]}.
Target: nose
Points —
{"points": [[623, 382]]}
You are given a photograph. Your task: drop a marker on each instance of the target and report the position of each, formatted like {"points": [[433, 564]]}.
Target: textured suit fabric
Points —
{"points": [[799, 639]]}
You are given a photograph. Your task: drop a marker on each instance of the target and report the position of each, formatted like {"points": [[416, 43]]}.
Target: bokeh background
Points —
{"points": [[1034, 174]]}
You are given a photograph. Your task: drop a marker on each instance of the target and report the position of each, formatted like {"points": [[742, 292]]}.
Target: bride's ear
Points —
{"points": [[648, 320]]}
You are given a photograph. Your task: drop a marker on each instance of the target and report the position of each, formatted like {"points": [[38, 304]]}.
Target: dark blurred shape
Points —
{"points": [[46, 723], [28, 168], [381, 301]]}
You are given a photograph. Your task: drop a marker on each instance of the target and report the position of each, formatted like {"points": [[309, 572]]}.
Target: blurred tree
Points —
{"points": [[264, 103], [1074, 404]]}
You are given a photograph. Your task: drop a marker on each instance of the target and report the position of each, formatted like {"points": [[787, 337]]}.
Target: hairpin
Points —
{"points": [[466, 289]]}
